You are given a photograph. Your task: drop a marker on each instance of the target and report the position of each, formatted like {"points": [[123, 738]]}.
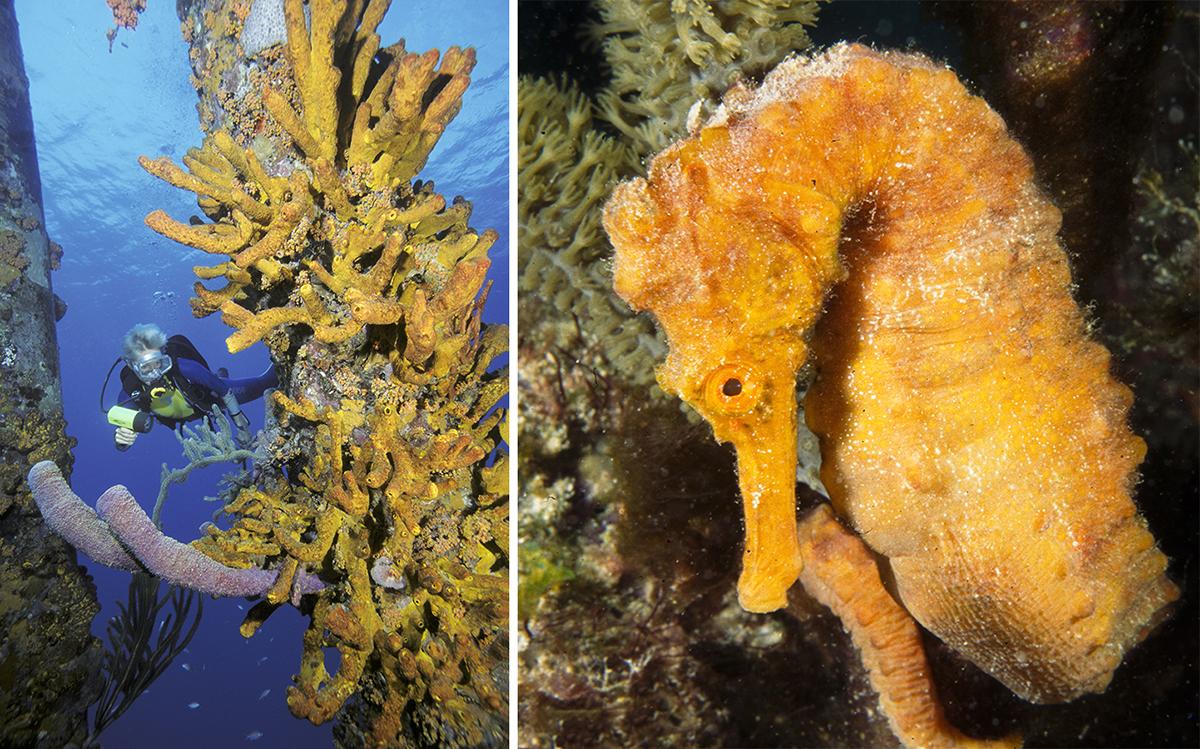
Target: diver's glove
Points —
{"points": [[243, 437], [124, 438]]}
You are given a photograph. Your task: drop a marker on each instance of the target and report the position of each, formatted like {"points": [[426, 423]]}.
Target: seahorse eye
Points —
{"points": [[731, 389]]}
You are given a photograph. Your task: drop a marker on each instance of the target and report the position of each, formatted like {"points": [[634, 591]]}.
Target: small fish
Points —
{"points": [[241, 607], [265, 692], [262, 660], [254, 736], [193, 705], [186, 666]]}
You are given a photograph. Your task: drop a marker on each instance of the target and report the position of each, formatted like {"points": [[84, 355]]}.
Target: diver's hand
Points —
{"points": [[243, 437], [124, 438]]}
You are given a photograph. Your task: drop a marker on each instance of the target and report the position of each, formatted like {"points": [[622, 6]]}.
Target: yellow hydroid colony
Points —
{"points": [[861, 214]]}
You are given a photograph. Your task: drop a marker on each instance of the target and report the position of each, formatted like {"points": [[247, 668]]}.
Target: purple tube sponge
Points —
{"points": [[178, 564], [68, 516], [123, 536]]}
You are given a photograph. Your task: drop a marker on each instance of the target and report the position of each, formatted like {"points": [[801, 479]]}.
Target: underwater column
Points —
{"points": [[49, 661]]}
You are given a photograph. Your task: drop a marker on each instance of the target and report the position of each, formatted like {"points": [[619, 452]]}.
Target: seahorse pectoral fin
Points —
{"points": [[766, 455]]}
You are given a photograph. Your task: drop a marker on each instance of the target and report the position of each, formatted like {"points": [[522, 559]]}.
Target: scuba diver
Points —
{"points": [[167, 379]]}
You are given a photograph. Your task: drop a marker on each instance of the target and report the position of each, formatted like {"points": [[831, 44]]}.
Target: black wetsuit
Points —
{"points": [[189, 390]]}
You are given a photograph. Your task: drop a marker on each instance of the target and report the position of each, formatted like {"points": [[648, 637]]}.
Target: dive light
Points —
{"points": [[130, 418]]}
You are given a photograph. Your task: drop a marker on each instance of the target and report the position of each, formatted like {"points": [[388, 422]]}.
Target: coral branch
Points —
{"points": [[203, 447]]}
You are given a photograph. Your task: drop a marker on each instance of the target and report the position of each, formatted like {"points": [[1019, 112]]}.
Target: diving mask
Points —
{"points": [[151, 366]]}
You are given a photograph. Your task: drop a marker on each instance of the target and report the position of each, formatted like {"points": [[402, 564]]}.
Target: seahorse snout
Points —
{"points": [[766, 459], [753, 407]]}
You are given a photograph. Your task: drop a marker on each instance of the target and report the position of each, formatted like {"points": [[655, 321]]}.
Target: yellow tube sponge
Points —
{"points": [[325, 526], [282, 224], [425, 318], [223, 190], [406, 114], [215, 239]]}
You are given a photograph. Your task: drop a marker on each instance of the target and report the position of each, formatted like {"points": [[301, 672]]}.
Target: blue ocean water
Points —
{"points": [[94, 113]]}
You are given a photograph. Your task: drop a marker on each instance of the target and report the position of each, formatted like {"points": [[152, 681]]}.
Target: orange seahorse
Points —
{"points": [[862, 214]]}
